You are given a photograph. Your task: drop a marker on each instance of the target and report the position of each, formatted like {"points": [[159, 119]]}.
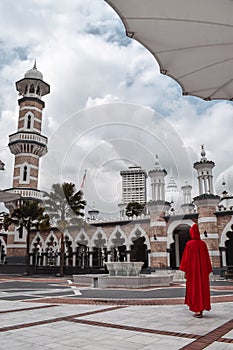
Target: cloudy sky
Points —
{"points": [[109, 106]]}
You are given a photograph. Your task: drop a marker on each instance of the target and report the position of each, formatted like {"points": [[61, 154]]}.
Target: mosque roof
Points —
{"points": [[224, 182], [172, 186], [33, 73]]}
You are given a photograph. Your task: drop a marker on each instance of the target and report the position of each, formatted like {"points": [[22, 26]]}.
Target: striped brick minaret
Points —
{"points": [[206, 203], [157, 208], [28, 144]]}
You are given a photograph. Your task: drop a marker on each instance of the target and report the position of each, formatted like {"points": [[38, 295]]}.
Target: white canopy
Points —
{"points": [[192, 40]]}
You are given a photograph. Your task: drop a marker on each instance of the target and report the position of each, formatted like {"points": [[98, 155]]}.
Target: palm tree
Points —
{"points": [[65, 205], [30, 215]]}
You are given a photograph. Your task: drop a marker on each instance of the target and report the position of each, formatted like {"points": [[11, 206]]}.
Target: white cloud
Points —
{"points": [[92, 102]]}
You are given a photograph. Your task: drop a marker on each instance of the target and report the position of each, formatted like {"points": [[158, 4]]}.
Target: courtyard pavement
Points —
{"points": [[35, 318]]}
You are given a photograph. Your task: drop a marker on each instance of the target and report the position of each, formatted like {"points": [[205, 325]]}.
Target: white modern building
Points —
{"points": [[134, 185]]}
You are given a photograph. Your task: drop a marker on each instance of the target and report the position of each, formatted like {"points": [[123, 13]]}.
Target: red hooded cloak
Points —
{"points": [[197, 267]]}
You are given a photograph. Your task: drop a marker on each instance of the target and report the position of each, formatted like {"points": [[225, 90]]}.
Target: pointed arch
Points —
{"points": [[68, 235], [82, 238], [25, 173], [32, 89], [99, 238], [29, 121], [38, 92], [224, 237], [137, 232], [51, 237], [37, 240], [117, 234], [171, 228]]}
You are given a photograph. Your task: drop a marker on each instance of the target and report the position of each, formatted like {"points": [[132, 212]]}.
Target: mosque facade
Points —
{"points": [[157, 238]]}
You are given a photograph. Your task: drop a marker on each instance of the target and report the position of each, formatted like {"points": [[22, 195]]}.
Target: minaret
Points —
{"points": [[204, 173], [157, 208], [28, 144], [206, 204], [157, 176], [187, 205]]}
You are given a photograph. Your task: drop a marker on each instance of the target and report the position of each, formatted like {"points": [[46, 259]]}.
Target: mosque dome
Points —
{"points": [[173, 194], [33, 73], [224, 182]]}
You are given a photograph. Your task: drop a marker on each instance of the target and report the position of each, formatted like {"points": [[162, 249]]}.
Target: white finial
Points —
{"points": [[34, 67], [156, 161], [171, 172], [203, 154]]}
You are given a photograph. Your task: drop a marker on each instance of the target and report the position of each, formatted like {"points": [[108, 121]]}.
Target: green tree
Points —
{"points": [[65, 206], [63, 202], [30, 215], [134, 209]]}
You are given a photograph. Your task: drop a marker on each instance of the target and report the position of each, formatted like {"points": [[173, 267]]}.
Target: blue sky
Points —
{"points": [[109, 106]]}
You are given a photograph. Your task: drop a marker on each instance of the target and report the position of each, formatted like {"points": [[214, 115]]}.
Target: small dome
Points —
{"points": [[173, 194], [172, 184], [33, 73], [224, 182]]}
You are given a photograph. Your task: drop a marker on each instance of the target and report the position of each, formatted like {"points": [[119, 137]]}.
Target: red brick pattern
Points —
{"points": [[127, 302], [198, 343], [215, 335]]}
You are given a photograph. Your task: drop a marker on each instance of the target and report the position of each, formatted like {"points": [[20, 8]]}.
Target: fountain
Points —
{"points": [[123, 268], [124, 274]]}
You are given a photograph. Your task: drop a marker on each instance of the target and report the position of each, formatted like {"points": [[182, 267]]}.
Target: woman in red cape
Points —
{"points": [[197, 267]]}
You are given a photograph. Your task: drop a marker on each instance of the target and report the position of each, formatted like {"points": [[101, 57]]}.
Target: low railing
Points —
{"points": [[27, 193], [28, 136], [118, 219]]}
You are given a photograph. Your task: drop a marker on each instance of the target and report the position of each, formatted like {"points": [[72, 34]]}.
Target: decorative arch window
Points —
{"points": [[32, 89], [38, 90], [20, 230], [25, 170], [25, 173], [29, 121]]}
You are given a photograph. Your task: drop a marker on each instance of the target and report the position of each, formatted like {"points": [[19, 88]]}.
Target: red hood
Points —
{"points": [[194, 232]]}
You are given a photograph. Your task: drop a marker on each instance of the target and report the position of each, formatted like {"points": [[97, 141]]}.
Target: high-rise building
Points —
{"points": [[134, 187]]}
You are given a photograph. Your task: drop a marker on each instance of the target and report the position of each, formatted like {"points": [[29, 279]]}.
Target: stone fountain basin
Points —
{"points": [[126, 275], [128, 282], [134, 282], [124, 268]]}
